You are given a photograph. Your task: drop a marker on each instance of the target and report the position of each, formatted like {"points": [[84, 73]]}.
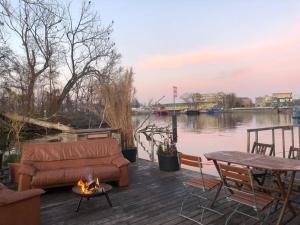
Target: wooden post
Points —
{"points": [[174, 128], [137, 144], [299, 136], [152, 147], [248, 141], [283, 143], [292, 134], [256, 135], [273, 140]]}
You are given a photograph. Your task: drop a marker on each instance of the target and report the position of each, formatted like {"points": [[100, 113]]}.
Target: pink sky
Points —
{"points": [[258, 68]]}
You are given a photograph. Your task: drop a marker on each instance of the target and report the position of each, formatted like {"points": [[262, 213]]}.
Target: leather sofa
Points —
{"points": [[61, 164], [18, 208]]}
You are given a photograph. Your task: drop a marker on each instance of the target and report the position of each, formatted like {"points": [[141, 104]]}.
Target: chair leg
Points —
{"points": [[202, 214], [182, 203], [230, 216]]}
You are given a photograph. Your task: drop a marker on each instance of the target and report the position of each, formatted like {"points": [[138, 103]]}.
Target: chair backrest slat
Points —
{"points": [[237, 174], [190, 160], [237, 179], [294, 153], [190, 163], [263, 149]]}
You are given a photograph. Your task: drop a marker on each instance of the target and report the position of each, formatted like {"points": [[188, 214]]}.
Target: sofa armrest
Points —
{"points": [[15, 196], [120, 161], [27, 170], [24, 182]]}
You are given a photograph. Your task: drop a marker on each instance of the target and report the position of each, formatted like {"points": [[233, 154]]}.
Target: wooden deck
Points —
{"points": [[153, 197]]}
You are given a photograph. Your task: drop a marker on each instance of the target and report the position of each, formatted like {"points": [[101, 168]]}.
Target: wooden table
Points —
{"points": [[275, 164]]}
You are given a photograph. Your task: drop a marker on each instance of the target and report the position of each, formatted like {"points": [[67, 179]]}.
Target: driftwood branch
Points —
{"points": [[25, 119]]}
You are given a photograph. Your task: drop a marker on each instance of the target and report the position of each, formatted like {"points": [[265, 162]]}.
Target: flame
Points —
{"points": [[88, 187]]}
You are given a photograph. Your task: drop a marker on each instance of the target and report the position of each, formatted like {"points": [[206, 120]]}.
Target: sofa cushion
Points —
{"points": [[106, 172], [2, 186], [103, 172], [72, 175], [63, 164], [48, 177], [8, 196], [5, 194], [47, 152]]}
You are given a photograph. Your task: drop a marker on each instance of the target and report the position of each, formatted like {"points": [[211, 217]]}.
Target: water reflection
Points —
{"points": [[222, 122], [204, 133]]}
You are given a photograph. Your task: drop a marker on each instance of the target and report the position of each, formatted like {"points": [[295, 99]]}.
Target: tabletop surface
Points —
{"points": [[255, 160]]}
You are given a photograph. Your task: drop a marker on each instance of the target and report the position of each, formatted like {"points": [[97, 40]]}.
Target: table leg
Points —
{"points": [[217, 167], [78, 206], [107, 198], [216, 195], [285, 196]]}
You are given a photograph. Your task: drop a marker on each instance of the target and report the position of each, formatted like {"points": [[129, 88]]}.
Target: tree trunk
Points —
{"points": [[25, 119]]}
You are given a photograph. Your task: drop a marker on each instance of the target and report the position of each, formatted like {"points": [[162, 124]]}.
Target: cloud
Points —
{"points": [[255, 69], [213, 55]]}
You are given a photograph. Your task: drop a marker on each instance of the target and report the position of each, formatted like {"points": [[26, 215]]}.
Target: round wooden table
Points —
{"points": [[102, 190]]}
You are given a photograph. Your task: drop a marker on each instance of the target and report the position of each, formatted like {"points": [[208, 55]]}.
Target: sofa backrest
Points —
{"points": [[88, 149]]}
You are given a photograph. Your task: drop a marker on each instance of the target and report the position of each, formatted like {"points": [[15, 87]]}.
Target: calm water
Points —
{"points": [[206, 133]]}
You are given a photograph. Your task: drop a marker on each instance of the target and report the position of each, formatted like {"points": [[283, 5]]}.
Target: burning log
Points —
{"points": [[88, 187]]}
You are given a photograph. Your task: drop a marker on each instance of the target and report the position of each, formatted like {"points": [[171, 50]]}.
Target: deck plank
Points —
{"points": [[153, 197]]}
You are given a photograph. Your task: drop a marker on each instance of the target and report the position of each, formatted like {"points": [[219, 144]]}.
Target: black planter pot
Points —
{"points": [[168, 163], [130, 153]]}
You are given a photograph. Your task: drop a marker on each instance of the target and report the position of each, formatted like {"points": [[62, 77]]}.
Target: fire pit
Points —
{"points": [[90, 189]]}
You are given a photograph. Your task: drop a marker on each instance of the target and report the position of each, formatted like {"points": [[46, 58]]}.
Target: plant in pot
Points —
{"points": [[167, 157], [13, 157], [117, 96]]}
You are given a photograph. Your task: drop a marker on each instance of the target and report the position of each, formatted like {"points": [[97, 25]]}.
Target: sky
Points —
{"points": [[251, 48]]}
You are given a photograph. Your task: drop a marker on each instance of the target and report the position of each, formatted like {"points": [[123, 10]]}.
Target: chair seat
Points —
{"points": [[262, 199], [209, 182]]}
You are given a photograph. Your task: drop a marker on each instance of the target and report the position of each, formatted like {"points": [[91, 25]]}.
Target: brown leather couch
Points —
{"points": [[60, 164], [18, 208]]}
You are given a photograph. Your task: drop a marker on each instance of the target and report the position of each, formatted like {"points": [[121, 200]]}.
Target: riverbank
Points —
{"points": [[231, 110]]}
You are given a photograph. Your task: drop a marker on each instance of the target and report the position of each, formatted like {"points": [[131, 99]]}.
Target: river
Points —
{"points": [[204, 133]]}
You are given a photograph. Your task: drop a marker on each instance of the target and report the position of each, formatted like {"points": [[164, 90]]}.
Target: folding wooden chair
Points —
{"points": [[238, 184], [261, 149], [294, 153], [200, 187]]}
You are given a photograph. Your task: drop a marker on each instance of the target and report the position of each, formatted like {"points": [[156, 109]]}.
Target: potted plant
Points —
{"points": [[13, 155], [13, 162], [117, 96], [167, 157]]}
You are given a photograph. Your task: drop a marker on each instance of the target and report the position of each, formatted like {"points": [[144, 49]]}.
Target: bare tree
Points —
{"points": [[35, 24], [54, 44], [89, 49]]}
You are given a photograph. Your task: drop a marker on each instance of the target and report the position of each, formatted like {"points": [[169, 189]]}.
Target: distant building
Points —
{"points": [[282, 99], [264, 101], [209, 100], [243, 102], [276, 100]]}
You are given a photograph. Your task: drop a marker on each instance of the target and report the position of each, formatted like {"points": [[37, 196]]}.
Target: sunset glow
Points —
{"points": [[250, 48]]}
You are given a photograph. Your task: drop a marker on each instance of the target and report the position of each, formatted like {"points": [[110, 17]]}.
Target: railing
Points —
{"points": [[283, 129]]}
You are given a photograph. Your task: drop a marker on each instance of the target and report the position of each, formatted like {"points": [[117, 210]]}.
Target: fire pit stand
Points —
{"points": [[102, 190]]}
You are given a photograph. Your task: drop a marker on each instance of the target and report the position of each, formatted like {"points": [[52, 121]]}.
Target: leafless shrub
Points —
{"points": [[117, 97]]}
